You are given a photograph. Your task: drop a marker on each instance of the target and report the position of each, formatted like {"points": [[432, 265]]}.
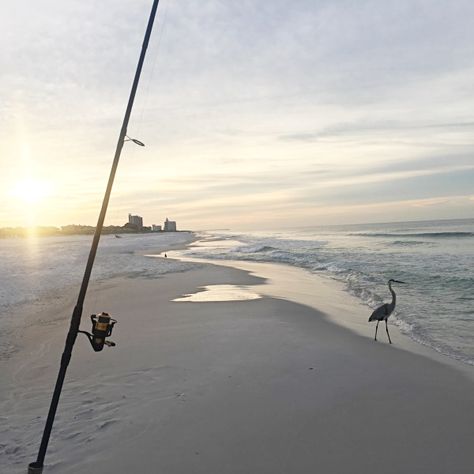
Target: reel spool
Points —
{"points": [[102, 325]]}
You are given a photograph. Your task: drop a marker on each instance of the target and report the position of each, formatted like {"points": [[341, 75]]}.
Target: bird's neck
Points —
{"points": [[394, 296]]}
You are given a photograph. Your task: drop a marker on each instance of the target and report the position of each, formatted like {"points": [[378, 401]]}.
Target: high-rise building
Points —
{"points": [[136, 220], [170, 226]]}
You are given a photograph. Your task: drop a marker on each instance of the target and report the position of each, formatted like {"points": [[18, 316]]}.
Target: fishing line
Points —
{"points": [[144, 107], [138, 123]]}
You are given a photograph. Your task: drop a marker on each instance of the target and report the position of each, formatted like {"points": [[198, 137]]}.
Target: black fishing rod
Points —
{"points": [[102, 324]]}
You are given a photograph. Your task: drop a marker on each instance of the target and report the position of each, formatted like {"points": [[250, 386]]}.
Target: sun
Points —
{"points": [[31, 191]]}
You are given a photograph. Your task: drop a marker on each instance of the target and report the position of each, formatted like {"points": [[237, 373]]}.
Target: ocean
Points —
{"points": [[435, 258]]}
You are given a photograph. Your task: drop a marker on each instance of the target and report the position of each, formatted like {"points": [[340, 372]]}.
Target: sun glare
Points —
{"points": [[31, 191]]}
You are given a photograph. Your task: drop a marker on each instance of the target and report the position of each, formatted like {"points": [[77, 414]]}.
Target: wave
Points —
{"points": [[435, 235], [409, 243], [254, 249]]}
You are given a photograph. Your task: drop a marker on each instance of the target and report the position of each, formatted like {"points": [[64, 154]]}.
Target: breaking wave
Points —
{"points": [[430, 235], [410, 243], [254, 249]]}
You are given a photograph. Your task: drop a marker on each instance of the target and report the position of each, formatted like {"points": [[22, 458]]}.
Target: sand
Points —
{"points": [[258, 385]]}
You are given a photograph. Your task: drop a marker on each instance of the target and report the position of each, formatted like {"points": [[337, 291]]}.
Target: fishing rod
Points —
{"points": [[102, 324]]}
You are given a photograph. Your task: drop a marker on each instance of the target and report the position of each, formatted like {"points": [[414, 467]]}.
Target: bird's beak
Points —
{"points": [[398, 281]]}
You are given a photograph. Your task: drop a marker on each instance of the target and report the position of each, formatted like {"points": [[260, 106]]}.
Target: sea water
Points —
{"points": [[37, 271], [435, 258]]}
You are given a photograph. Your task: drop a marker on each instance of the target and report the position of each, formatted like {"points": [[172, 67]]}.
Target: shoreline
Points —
{"points": [[329, 297], [264, 385]]}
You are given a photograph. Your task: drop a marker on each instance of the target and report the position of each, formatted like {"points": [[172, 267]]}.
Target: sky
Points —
{"points": [[255, 114]]}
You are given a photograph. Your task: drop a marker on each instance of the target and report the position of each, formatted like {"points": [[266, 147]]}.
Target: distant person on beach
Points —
{"points": [[166, 256]]}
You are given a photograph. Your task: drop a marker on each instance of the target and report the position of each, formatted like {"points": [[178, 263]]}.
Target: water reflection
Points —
{"points": [[209, 293]]}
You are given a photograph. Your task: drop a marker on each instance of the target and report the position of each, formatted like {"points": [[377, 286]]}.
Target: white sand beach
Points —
{"points": [[319, 152], [271, 381]]}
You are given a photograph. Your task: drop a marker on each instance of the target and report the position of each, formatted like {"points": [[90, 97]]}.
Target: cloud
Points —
{"points": [[257, 108], [344, 130]]}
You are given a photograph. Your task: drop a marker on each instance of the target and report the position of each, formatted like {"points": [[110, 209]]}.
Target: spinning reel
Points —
{"points": [[102, 325]]}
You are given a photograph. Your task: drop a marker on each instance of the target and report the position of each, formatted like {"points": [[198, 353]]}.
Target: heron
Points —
{"points": [[383, 312]]}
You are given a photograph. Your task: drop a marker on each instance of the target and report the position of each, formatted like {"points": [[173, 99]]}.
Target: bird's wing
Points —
{"points": [[379, 314]]}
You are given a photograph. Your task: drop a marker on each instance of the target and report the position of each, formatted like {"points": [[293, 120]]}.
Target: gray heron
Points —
{"points": [[383, 312]]}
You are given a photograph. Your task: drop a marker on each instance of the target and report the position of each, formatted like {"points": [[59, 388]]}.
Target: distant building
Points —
{"points": [[156, 228], [136, 221], [170, 226]]}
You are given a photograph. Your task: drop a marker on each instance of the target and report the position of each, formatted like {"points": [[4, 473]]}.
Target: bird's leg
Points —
{"points": [[376, 327], [386, 328]]}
